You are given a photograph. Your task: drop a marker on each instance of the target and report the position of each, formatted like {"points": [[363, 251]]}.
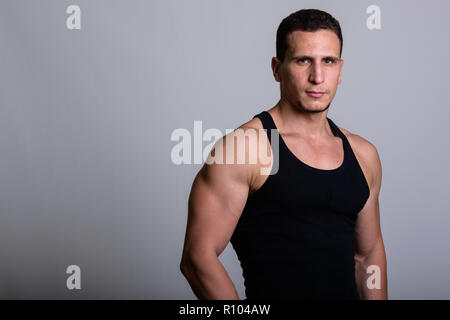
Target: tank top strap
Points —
{"points": [[335, 128], [267, 122]]}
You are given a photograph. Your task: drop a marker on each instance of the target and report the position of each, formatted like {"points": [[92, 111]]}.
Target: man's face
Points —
{"points": [[311, 64]]}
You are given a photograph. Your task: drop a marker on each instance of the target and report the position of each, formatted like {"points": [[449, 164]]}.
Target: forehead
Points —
{"points": [[320, 42]]}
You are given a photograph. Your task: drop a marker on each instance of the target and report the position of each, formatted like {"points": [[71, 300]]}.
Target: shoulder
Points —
{"points": [[367, 156], [237, 154], [250, 137], [363, 146], [254, 123], [246, 131]]}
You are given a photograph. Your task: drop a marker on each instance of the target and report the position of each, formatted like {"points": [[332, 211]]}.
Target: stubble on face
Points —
{"points": [[302, 108]]}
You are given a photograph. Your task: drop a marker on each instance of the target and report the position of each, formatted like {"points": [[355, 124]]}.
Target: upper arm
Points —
{"points": [[218, 195], [368, 231]]}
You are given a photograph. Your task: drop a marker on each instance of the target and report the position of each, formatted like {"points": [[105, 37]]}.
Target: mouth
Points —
{"points": [[315, 94]]}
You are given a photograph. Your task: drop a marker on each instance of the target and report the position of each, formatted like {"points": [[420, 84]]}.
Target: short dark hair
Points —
{"points": [[305, 20]]}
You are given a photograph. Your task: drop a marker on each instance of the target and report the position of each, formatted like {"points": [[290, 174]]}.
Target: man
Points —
{"points": [[312, 229]]}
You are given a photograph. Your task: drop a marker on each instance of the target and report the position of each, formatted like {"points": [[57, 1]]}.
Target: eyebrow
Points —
{"points": [[311, 58]]}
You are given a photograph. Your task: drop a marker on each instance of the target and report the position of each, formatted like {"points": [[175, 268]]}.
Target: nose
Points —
{"points": [[316, 75]]}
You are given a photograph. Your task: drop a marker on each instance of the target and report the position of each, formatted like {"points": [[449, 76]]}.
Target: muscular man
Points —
{"points": [[312, 229]]}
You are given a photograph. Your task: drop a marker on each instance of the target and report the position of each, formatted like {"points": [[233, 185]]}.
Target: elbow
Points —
{"points": [[196, 264], [360, 258], [374, 257], [188, 265], [184, 266]]}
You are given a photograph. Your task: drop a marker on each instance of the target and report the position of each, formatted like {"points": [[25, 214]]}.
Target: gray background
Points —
{"points": [[86, 115]]}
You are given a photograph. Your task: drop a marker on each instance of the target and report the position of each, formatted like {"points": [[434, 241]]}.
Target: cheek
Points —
{"points": [[297, 79], [336, 77], [291, 73], [335, 83]]}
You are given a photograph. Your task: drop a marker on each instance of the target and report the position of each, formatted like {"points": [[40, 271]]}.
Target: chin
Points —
{"points": [[313, 107]]}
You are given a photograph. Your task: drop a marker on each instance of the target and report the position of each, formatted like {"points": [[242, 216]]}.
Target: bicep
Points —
{"points": [[217, 198]]}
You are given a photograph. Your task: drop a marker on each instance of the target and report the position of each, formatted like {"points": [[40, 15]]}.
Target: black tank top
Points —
{"points": [[295, 236]]}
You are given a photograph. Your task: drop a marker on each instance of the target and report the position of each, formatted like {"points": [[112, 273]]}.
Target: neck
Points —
{"points": [[311, 125]]}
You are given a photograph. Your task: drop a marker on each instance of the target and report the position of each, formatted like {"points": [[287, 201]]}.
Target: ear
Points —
{"points": [[340, 70], [276, 63]]}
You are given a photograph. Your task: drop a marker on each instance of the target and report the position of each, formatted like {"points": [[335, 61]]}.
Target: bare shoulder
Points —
{"points": [[248, 135], [258, 151], [238, 152], [367, 156], [362, 145], [254, 123], [247, 130]]}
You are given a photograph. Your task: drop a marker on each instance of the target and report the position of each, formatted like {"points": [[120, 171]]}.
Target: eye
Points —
{"points": [[330, 60], [303, 60]]}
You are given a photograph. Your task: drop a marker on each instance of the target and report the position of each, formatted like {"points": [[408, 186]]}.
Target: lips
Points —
{"points": [[315, 94]]}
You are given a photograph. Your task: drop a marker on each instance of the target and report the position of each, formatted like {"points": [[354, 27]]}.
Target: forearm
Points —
{"points": [[376, 287], [209, 279]]}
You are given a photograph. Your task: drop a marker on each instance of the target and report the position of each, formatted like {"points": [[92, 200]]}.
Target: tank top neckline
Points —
{"points": [[334, 128]]}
